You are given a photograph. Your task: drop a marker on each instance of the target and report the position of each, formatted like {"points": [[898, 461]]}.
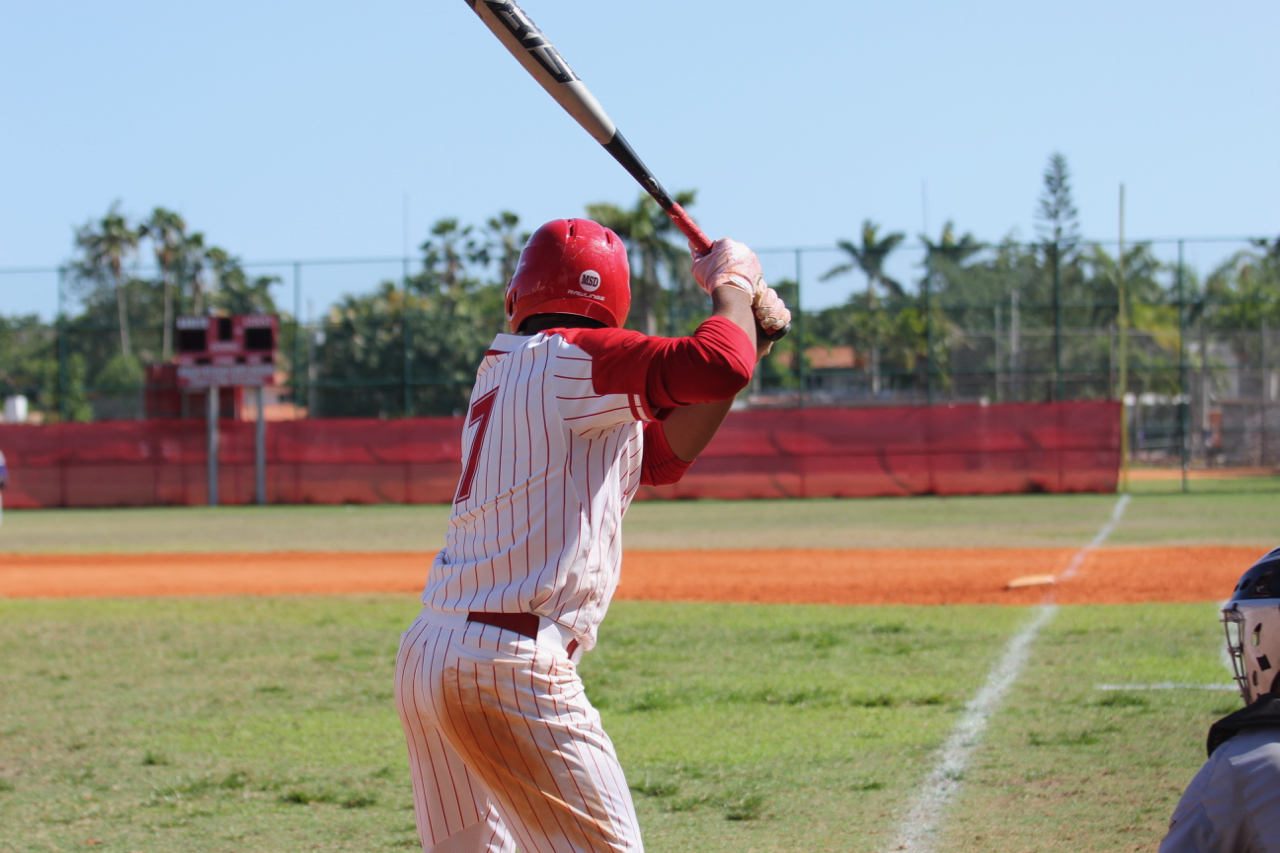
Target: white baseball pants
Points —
{"points": [[505, 751]]}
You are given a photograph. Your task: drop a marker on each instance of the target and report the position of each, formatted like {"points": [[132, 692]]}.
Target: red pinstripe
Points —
{"points": [[546, 491], [499, 445], [594, 415]]}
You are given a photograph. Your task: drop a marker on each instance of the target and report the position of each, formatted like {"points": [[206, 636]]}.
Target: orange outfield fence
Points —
{"points": [[942, 450]]}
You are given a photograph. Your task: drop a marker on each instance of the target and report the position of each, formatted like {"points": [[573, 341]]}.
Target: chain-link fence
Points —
{"points": [[1194, 353]]}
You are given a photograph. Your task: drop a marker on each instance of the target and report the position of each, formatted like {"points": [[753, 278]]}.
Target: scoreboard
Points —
{"points": [[227, 351]]}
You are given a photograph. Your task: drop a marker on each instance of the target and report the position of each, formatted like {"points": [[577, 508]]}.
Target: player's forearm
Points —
{"points": [[690, 429], [735, 305], [728, 302]]}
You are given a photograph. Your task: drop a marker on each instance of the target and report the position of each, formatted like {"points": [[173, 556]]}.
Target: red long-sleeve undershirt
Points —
{"points": [[712, 364]]}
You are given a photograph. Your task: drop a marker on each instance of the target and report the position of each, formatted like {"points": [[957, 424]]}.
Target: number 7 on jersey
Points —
{"points": [[478, 420]]}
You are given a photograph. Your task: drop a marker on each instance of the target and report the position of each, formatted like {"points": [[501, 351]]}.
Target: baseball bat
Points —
{"points": [[522, 38]]}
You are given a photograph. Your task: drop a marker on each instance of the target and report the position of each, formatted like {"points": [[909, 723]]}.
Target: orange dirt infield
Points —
{"points": [[818, 576]]}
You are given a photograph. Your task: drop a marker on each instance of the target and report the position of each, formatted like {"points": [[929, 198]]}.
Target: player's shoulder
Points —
{"points": [[1257, 748], [601, 342], [504, 344], [1242, 796], [616, 360], [496, 355]]}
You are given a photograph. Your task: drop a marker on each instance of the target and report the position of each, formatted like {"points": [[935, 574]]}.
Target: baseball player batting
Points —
{"points": [[569, 416]]}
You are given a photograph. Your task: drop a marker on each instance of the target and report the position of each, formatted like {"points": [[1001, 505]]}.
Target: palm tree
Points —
{"points": [[945, 256], [167, 232], [451, 247], [236, 293], [190, 268], [870, 257], [503, 243], [106, 247], [949, 249], [647, 231]]}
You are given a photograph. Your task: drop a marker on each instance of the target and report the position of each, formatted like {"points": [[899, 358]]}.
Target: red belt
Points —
{"points": [[524, 624]]}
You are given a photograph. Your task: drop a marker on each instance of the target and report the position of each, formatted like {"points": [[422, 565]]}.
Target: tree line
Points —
{"points": [[1062, 293], [410, 347], [123, 320]]}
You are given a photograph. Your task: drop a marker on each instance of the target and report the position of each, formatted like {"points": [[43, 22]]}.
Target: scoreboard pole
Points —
{"points": [[211, 430], [212, 407], [260, 449]]}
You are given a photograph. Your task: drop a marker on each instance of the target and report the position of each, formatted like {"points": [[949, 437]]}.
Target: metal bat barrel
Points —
{"points": [[522, 38]]}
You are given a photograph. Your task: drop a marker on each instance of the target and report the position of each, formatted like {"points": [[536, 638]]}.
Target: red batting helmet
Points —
{"points": [[571, 266]]}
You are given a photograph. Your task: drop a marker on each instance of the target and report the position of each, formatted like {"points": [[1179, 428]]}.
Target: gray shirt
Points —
{"points": [[1233, 804]]}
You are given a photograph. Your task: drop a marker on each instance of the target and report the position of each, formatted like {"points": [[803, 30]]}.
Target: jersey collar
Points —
{"points": [[504, 343]]}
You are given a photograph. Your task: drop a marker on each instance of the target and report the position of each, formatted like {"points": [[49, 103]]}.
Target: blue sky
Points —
{"points": [[296, 130]]}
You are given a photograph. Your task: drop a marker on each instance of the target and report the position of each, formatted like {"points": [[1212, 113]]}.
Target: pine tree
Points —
{"points": [[1060, 228], [1057, 216]]}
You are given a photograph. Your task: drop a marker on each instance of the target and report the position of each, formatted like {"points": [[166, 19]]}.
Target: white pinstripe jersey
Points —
{"points": [[551, 462]]}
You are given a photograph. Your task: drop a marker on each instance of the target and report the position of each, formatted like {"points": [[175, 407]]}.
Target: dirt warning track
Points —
{"points": [[812, 576]]}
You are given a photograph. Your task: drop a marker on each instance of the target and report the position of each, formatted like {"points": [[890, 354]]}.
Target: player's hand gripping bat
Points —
{"points": [[539, 57]]}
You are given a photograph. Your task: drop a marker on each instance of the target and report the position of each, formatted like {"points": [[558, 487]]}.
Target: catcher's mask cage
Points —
{"points": [[1251, 620]]}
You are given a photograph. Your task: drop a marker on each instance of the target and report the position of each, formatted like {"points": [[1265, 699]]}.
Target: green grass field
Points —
{"points": [[266, 724], [1202, 482], [1013, 521]]}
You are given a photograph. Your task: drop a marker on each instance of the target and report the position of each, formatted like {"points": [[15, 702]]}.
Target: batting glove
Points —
{"points": [[771, 312], [729, 263]]}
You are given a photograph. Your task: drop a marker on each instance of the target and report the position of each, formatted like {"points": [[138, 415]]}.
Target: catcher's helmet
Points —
{"points": [[1252, 622], [571, 266]]}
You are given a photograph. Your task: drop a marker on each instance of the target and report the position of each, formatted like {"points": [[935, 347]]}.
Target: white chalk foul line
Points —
{"points": [[919, 828], [1166, 685], [921, 823], [1077, 559]]}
